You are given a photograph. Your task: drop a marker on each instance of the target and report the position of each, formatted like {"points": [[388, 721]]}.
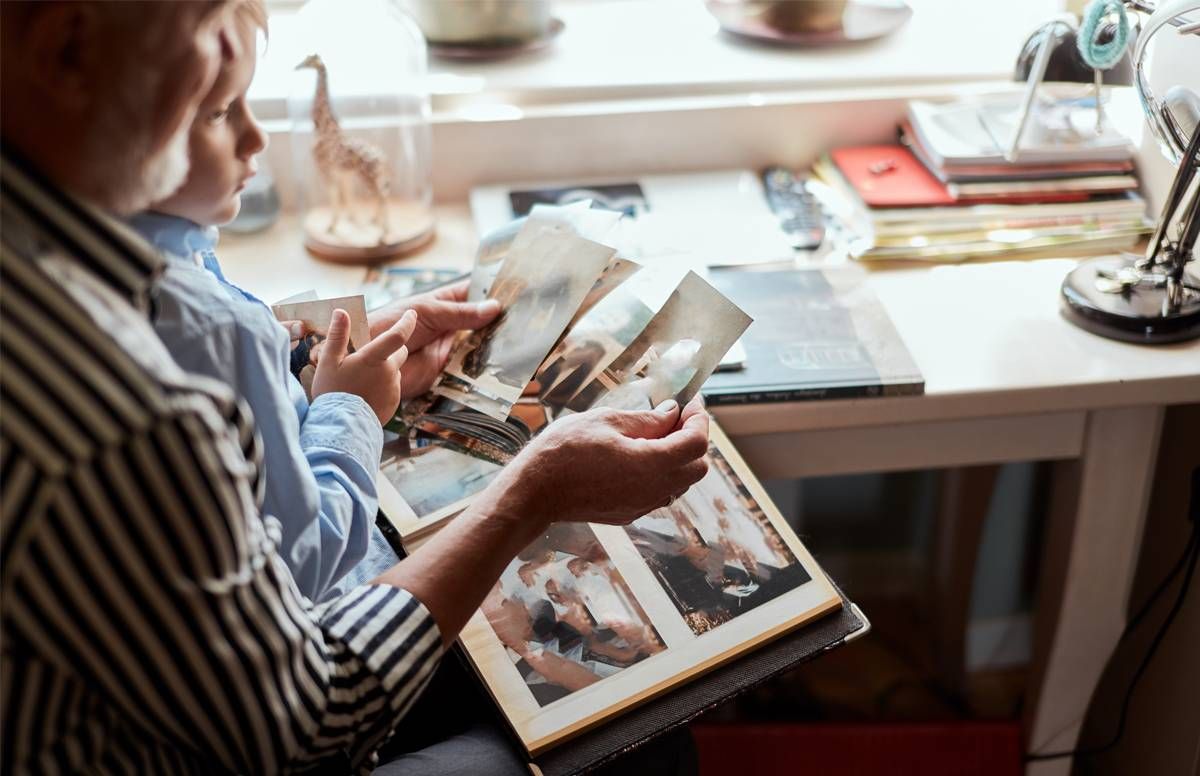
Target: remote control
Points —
{"points": [[799, 212]]}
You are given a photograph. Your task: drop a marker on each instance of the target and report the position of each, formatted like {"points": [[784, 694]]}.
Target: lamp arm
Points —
{"points": [[1169, 137], [1177, 198], [1190, 227]]}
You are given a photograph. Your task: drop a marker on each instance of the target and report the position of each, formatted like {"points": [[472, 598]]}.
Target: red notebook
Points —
{"points": [[886, 176], [890, 176]]}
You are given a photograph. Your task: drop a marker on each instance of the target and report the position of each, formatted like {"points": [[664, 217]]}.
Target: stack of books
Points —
{"points": [[946, 192]]}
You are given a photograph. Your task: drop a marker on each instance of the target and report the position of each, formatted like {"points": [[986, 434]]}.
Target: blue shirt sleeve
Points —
{"points": [[320, 461]]}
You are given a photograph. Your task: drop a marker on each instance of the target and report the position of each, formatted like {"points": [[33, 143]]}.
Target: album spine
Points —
{"points": [[813, 394]]}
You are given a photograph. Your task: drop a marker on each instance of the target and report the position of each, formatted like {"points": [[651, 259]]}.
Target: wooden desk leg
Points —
{"points": [[1092, 541], [966, 494]]}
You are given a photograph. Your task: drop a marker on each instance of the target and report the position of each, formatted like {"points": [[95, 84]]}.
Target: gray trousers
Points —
{"points": [[452, 730]]}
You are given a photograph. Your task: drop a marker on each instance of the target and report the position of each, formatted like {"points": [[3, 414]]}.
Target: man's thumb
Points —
{"points": [[338, 339], [652, 424]]}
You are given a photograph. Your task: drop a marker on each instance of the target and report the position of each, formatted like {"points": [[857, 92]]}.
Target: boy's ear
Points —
{"points": [[62, 43]]}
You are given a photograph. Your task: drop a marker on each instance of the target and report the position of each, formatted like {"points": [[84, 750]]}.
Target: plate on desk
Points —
{"points": [[809, 23], [502, 49]]}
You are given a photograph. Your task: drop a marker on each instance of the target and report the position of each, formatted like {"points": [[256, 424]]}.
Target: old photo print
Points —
{"points": [[715, 552], [594, 225], [565, 615], [546, 275], [435, 481], [383, 285], [673, 355], [314, 315], [625, 198], [590, 345]]}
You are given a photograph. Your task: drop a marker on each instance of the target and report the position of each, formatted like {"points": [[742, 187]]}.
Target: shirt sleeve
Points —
{"points": [[153, 575], [321, 462]]}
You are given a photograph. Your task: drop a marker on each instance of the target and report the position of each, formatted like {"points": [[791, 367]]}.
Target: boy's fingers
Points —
{"points": [[387, 343], [338, 339]]}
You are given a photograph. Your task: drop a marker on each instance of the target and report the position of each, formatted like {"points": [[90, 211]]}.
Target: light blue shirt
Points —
{"points": [[320, 459]]}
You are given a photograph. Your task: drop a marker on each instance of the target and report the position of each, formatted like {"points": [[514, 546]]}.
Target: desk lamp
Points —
{"points": [[1150, 298]]}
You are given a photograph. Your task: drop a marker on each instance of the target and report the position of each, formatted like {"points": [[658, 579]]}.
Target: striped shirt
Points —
{"points": [[147, 623]]}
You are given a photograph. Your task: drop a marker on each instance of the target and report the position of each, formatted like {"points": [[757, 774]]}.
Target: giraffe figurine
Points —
{"points": [[341, 159]]}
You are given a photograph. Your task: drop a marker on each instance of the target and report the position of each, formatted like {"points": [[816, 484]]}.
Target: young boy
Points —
{"points": [[320, 459]]}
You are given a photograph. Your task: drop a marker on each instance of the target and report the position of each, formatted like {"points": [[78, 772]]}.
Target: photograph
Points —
{"points": [[494, 246], [617, 272], [544, 278], [462, 392], [566, 616], [673, 354], [715, 551], [625, 198], [591, 344], [431, 479], [314, 316], [383, 285]]}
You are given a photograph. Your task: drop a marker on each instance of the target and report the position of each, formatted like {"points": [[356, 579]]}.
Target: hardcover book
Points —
{"points": [[818, 334], [598, 634]]}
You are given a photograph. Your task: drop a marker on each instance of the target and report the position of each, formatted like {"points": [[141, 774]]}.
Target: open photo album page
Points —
{"points": [[592, 619]]}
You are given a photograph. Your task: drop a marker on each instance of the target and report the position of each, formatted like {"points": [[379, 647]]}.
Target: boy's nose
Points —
{"points": [[254, 139]]}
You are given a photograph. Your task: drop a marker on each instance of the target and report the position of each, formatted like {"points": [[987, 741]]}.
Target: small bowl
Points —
{"points": [[486, 23]]}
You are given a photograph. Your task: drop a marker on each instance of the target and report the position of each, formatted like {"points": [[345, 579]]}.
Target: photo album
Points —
{"points": [[592, 624]]}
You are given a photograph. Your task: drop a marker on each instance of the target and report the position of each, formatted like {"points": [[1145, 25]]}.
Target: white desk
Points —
{"points": [[1007, 379]]}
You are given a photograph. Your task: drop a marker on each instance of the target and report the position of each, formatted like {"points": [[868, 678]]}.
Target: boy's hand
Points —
{"points": [[373, 372], [442, 313]]}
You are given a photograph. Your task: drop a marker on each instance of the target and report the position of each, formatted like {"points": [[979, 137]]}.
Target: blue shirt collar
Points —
{"points": [[175, 235]]}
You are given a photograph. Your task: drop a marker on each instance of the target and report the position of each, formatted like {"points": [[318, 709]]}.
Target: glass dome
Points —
{"points": [[361, 144]]}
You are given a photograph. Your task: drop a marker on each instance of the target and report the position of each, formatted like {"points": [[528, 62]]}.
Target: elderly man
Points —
{"points": [[147, 623]]}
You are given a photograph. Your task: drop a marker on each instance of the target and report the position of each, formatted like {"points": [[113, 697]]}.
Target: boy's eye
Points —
{"points": [[218, 115]]}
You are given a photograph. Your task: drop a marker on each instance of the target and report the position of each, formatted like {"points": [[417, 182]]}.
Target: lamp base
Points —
{"points": [[1137, 313]]}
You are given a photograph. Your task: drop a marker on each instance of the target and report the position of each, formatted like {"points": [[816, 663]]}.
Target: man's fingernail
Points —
{"points": [[667, 406], [489, 306]]}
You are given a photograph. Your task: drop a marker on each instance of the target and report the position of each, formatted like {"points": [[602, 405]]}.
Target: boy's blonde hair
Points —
{"points": [[254, 12]]}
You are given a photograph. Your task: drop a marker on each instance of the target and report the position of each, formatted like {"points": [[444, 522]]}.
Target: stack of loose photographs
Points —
{"points": [[591, 620]]}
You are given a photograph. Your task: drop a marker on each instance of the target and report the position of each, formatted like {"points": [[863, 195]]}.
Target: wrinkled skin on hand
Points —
{"points": [[609, 466]]}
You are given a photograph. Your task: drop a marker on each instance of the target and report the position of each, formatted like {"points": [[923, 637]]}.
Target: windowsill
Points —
{"points": [[618, 52]]}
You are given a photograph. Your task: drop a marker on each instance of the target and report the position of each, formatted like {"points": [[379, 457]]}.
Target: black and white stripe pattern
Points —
{"points": [[147, 623]]}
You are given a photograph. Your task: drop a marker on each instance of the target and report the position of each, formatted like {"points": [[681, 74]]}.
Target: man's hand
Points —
{"points": [[441, 314], [373, 372], [605, 466]]}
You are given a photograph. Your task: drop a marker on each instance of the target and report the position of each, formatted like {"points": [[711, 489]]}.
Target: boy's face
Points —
{"points": [[221, 146]]}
